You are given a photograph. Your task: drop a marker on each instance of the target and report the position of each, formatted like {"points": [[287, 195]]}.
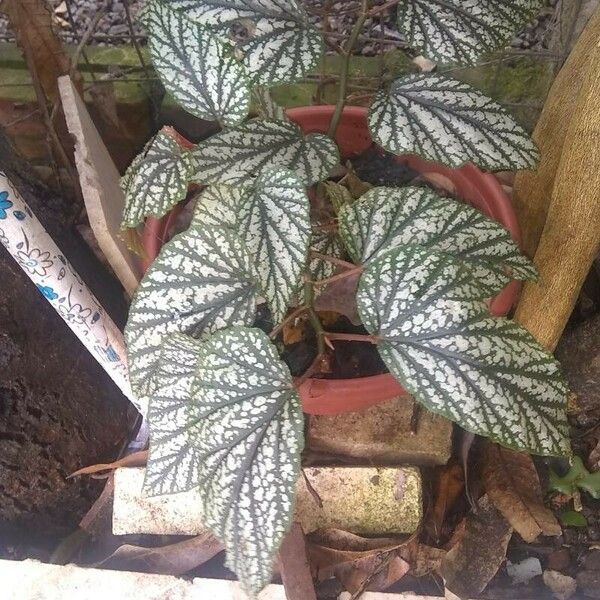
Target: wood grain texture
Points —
{"points": [[533, 189], [571, 236]]}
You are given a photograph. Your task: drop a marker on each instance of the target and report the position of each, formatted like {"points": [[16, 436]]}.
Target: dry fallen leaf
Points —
{"points": [[136, 459], [449, 485], [340, 297], [469, 566], [375, 572], [512, 484], [174, 559], [294, 566], [329, 548]]}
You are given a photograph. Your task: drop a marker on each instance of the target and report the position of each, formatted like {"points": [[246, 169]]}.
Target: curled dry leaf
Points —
{"points": [[174, 559], [375, 573], [449, 485], [469, 566], [294, 566], [136, 459], [513, 486], [330, 548], [340, 297]]}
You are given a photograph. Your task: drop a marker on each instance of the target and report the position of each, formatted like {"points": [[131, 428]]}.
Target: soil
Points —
{"points": [[58, 408]]}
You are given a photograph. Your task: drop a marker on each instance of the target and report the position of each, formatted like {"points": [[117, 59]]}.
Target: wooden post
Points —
{"points": [[533, 189], [571, 236]]}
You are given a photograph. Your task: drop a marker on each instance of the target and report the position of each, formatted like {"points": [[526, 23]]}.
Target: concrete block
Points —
{"points": [[379, 501], [382, 434]]}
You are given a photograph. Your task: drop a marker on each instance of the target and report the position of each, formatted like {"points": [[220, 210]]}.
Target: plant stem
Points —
{"points": [[377, 10], [349, 273], [293, 315], [341, 101], [309, 299], [351, 337], [333, 259]]}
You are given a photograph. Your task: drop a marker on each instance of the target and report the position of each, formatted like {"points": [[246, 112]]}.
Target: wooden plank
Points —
{"points": [[99, 178], [571, 236], [533, 189]]}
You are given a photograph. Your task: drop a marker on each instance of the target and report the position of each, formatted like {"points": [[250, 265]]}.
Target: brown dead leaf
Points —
{"points": [[470, 565], [340, 297], [449, 486], [135, 459], [512, 484], [355, 185], [423, 559], [99, 518], [375, 573], [174, 559], [329, 548], [294, 567]]}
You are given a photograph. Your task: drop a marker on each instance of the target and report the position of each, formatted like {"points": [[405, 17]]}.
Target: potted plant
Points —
{"points": [[225, 412]]}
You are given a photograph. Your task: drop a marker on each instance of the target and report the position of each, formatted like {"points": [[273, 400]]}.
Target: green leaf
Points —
{"points": [[238, 155], [461, 31], [274, 222], [577, 477], [450, 122], [489, 375], [385, 218], [226, 419], [156, 180], [572, 518], [281, 46], [202, 280], [198, 69], [173, 463]]}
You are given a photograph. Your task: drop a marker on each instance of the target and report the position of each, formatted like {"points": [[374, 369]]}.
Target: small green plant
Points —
{"points": [[225, 415]]}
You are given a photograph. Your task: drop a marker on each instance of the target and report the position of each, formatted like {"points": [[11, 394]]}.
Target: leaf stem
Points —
{"points": [[351, 337], [333, 259], [309, 299], [349, 273], [347, 54]]}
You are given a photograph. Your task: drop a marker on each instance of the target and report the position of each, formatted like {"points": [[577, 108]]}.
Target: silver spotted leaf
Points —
{"points": [[436, 337], [202, 280], [325, 240], [279, 44], [274, 223], [173, 465], [461, 31], [237, 155], [219, 205], [385, 218], [196, 67], [450, 122], [156, 180], [248, 443]]}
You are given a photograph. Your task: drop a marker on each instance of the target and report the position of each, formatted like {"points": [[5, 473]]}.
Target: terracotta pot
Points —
{"points": [[481, 190]]}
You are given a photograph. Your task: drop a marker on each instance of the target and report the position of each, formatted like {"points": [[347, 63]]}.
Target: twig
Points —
{"points": [[351, 337], [377, 10], [349, 273], [85, 39], [332, 259], [341, 101], [311, 489]]}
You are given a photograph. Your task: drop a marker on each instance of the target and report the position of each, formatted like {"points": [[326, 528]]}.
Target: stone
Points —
{"points": [[592, 561], [378, 501], [589, 583], [561, 586], [382, 434], [32, 580], [559, 560], [368, 501]]}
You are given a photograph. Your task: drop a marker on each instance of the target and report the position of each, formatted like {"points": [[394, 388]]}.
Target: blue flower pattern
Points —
{"points": [[47, 291], [5, 204]]}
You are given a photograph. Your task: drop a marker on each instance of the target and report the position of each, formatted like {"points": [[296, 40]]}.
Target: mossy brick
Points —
{"points": [[382, 434]]}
